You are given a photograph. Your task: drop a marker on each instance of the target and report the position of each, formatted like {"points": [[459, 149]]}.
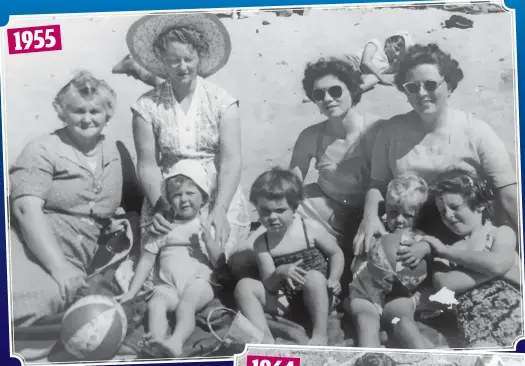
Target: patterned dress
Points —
{"points": [[193, 135], [490, 315], [78, 204]]}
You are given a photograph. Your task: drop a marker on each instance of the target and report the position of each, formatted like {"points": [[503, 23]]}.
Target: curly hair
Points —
{"points": [[407, 190], [187, 35], [471, 187], [275, 184], [85, 85], [338, 68], [429, 54]]}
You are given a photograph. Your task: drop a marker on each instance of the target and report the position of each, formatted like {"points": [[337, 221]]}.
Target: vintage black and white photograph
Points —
{"points": [[375, 357], [181, 184]]}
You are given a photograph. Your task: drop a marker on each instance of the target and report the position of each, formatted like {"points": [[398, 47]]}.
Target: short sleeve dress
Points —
{"points": [[193, 135], [78, 203]]}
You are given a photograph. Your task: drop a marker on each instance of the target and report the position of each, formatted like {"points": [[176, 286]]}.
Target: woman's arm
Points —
{"points": [[497, 262], [231, 157], [371, 225], [147, 153], [367, 61], [214, 251], [303, 152], [37, 234], [508, 198]]}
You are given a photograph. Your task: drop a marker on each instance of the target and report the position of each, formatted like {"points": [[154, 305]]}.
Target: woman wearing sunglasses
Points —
{"points": [[340, 146], [434, 138]]}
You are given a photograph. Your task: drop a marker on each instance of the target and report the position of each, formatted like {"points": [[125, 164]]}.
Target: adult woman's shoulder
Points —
{"points": [[147, 103], [217, 93]]}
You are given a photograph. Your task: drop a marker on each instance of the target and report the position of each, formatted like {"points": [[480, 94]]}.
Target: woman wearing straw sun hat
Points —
{"points": [[187, 117]]}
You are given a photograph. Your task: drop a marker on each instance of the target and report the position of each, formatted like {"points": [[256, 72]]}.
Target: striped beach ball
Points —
{"points": [[94, 328]]}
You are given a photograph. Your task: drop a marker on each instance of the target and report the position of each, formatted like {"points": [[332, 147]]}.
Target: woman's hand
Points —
{"points": [[371, 227], [437, 245], [412, 253], [219, 221], [386, 80], [69, 280], [126, 298], [334, 286], [159, 225], [293, 273]]}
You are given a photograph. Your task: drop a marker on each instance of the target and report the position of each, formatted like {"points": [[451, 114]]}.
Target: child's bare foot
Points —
{"points": [[170, 348], [318, 340], [149, 347]]}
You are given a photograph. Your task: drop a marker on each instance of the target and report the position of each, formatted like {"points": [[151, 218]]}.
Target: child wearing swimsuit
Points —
{"points": [[296, 257]]}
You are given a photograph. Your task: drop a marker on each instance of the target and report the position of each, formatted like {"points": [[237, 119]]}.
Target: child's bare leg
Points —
{"points": [[315, 294], [368, 82], [158, 307], [406, 329], [251, 297], [196, 296], [367, 321]]}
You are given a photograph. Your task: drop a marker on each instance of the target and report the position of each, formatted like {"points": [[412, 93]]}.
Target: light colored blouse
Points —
{"points": [[190, 135], [467, 143], [344, 164]]}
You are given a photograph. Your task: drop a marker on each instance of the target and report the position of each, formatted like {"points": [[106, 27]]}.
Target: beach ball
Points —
{"points": [[409, 277], [375, 359], [94, 328]]}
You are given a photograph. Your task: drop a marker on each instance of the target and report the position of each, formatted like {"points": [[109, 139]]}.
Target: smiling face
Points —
{"points": [[276, 215], [331, 96], [84, 118], [420, 81], [181, 61], [457, 215]]}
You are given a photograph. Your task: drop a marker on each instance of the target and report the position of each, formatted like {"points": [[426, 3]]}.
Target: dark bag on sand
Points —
{"points": [[458, 21]]}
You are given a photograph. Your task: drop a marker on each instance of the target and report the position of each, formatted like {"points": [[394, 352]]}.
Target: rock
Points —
{"points": [[265, 22]]}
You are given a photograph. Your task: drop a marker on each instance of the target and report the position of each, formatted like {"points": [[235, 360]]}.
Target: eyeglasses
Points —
{"points": [[319, 94], [428, 85]]}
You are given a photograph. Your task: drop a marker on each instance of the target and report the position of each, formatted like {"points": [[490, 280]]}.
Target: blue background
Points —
{"points": [[52, 7]]}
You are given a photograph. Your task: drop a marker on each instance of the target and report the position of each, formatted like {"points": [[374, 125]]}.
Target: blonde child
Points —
{"points": [[187, 256], [378, 291], [295, 256], [378, 60]]}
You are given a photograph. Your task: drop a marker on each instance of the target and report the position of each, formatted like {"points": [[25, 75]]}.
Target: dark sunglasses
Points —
{"points": [[428, 85], [319, 94]]}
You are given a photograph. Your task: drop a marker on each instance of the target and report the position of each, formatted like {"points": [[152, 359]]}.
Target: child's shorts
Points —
{"points": [[364, 287]]}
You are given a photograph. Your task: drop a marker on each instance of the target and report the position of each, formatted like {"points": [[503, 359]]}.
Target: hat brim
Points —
{"points": [[143, 33]]}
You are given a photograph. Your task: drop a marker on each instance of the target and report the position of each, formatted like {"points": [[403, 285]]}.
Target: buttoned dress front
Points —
{"points": [[78, 203]]}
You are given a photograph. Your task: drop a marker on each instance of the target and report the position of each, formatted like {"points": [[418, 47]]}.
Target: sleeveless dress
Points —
{"points": [[343, 165], [193, 135]]}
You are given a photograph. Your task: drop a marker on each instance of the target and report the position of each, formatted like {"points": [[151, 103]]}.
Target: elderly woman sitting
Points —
{"points": [[66, 186]]}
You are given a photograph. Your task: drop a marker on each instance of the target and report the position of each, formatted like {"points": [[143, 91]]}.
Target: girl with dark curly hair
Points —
{"points": [[434, 138], [341, 146], [482, 267]]}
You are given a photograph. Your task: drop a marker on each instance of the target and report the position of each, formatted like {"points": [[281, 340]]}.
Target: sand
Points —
{"points": [[265, 72]]}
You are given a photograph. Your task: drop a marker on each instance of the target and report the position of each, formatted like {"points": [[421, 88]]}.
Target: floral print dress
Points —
{"points": [[193, 135]]}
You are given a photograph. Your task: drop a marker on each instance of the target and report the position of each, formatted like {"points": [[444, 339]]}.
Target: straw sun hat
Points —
{"points": [[143, 33]]}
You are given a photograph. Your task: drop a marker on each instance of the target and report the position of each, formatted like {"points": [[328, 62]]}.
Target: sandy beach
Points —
{"points": [[265, 72]]}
